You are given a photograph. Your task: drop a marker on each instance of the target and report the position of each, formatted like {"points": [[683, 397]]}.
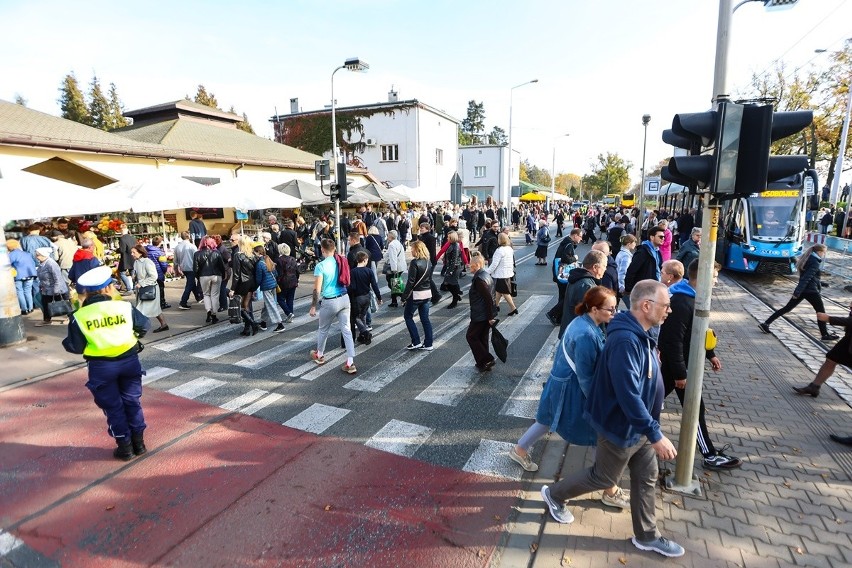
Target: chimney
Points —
{"points": [[393, 96], [294, 105]]}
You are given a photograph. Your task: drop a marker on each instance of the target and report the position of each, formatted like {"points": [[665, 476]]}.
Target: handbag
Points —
{"points": [[397, 285], [500, 344], [235, 306], [513, 287], [147, 293], [59, 307], [374, 304]]}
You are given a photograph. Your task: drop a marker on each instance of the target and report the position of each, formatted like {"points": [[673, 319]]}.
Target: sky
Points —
{"points": [[600, 65]]}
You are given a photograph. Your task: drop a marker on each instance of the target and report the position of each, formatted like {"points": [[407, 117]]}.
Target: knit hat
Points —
{"points": [[95, 279], [46, 252]]}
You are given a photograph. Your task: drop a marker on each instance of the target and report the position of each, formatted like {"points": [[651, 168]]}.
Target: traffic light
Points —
{"points": [[341, 182], [691, 132], [736, 140]]}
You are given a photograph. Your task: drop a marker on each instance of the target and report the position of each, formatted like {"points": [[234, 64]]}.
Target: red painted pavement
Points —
{"points": [[238, 491]]}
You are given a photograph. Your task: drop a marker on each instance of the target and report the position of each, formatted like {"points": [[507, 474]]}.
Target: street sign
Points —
{"points": [[322, 170], [652, 186]]}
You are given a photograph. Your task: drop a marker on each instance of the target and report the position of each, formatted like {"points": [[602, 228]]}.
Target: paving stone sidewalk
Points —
{"points": [[787, 506]]}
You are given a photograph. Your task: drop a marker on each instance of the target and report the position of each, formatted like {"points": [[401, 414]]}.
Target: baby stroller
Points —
{"points": [[306, 260]]}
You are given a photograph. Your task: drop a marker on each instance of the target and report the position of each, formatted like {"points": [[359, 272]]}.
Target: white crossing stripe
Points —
{"points": [[492, 458], [274, 355], [8, 543], [523, 401], [401, 438], [157, 373], [455, 382], [197, 387], [262, 403], [244, 399], [240, 342], [198, 336], [317, 418], [384, 374]]}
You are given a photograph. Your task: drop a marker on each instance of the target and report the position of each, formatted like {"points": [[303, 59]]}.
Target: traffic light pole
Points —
{"points": [[684, 481]]}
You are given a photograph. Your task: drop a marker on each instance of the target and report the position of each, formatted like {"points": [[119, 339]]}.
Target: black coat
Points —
{"points": [[419, 277], [644, 265], [579, 282], [675, 334], [809, 282], [481, 297]]}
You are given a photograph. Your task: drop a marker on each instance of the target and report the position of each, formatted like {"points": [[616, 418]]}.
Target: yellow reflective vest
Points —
{"points": [[108, 328]]}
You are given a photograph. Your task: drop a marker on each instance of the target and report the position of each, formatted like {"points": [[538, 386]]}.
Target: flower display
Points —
{"points": [[107, 226]]}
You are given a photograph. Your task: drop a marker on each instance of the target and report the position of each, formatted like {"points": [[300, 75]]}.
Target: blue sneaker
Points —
{"points": [[557, 510], [660, 545]]}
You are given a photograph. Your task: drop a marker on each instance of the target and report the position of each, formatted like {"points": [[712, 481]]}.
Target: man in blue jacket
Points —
{"points": [[624, 406]]}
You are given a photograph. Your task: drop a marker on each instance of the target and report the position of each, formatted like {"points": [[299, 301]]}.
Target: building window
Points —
{"points": [[439, 156], [479, 171], [390, 153]]}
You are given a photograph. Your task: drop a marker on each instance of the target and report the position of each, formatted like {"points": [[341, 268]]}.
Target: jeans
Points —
{"points": [[192, 287], [24, 289], [125, 279], [286, 299], [422, 308], [210, 286], [271, 309], [329, 310], [610, 461], [361, 305]]}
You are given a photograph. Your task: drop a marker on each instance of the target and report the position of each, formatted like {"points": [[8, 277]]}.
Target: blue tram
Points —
{"points": [[764, 231]]}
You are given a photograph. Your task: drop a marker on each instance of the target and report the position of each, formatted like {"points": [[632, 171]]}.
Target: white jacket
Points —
{"points": [[502, 263], [395, 256]]}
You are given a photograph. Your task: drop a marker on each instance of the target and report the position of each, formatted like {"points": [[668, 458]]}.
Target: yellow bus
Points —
{"points": [[611, 200], [628, 199]]}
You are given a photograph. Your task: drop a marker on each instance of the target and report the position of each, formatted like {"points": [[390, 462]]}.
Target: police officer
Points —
{"points": [[106, 332]]}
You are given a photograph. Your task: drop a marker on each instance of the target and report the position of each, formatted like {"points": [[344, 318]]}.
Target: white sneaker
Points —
{"points": [[621, 499]]}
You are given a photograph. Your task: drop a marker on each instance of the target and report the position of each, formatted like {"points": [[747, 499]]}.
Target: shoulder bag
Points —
{"points": [[59, 306], [147, 293]]}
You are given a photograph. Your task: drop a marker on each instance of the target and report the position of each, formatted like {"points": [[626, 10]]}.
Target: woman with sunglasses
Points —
{"points": [[560, 408]]}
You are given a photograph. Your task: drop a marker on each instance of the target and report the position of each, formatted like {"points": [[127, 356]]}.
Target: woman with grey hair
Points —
{"points": [[51, 283], [542, 238], [394, 263]]}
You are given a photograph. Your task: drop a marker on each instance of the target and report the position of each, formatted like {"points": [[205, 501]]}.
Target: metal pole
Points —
{"points": [[683, 481], [646, 118], [838, 169], [509, 185], [335, 159], [553, 174]]}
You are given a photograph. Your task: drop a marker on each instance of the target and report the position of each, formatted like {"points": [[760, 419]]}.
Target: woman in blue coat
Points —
{"points": [[560, 408], [809, 288]]}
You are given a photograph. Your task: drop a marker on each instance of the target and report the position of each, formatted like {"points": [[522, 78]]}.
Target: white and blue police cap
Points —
{"points": [[95, 279]]}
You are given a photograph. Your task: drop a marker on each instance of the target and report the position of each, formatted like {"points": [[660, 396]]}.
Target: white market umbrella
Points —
{"points": [[30, 196], [403, 189], [382, 192], [162, 191], [250, 195]]}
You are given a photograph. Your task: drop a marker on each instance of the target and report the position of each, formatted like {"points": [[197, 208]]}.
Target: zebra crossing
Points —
{"points": [[393, 403]]}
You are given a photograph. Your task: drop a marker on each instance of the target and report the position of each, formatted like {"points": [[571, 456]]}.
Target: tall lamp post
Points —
{"points": [[351, 64], [553, 169], [508, 202], [646, 118]]}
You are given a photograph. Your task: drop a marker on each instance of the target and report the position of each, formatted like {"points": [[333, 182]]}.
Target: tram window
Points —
{"points": [[736, 223], [773, 217]]}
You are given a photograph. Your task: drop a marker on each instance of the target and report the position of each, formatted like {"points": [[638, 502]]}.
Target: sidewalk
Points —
{"points": [[787, 505]]}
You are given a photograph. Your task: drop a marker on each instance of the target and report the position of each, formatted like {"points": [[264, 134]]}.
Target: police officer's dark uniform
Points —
{"points": [[106, 332]]}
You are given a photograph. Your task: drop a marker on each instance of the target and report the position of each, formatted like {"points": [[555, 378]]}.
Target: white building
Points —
{"points": [[484, 170], [399, 142]]}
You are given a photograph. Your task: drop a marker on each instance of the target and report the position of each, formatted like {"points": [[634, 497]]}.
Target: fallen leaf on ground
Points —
{"points": [[623, 560], [566, 561], [534, 547], [327, 508], [110, 507]]}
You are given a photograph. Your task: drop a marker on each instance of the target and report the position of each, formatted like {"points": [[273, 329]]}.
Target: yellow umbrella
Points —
{"points": [[532, 196]]}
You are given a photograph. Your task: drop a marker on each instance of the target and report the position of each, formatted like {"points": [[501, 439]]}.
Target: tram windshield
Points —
{"points": [[774, 217]]}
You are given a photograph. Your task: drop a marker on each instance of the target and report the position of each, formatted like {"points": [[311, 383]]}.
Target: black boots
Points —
{"points": [[209, 316], [138, 443], [124, 451], [251, 327], [810, 389]]}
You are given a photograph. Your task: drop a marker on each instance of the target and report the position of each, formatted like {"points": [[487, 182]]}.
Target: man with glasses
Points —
{"points": [[674, 345], [580, 279], [646, 261], [623, 406]]}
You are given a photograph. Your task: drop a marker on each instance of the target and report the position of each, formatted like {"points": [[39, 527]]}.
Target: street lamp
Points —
{"points": [[351, 64], [646, 118], [508, 202], [553, 169]]}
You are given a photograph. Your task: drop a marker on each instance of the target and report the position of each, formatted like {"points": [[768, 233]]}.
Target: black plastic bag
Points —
{"points": [[500, 344]]}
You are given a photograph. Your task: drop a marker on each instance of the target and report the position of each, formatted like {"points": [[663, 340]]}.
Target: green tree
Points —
{"points": [[244, 123], [610, 174], [205, 98], [71, 101], [568, 184], [20, 100], [98, 105], [115, 113], [498, 136], [473, 126]]}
